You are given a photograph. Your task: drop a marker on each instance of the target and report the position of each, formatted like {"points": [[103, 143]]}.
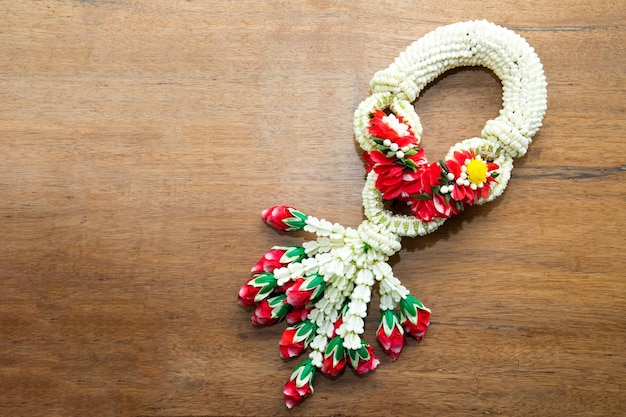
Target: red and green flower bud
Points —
{"points": [[278, 257], [363, 359], [296, 339], [284, 218], [300, 385], [292, 254], [269, 262], [270, 311], [390, 334], [298, 314], [334, 357], [414, 317], [257, 288], [306, 290]]}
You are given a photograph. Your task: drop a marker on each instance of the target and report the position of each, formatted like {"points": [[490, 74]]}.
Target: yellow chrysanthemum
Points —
{"points": [[477, 171]]}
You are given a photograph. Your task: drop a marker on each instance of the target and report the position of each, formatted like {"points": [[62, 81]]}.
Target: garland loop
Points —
{"points": [[474, 171]]}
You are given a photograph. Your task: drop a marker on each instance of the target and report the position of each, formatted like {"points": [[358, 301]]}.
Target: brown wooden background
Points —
{"points": [[140, 141]]}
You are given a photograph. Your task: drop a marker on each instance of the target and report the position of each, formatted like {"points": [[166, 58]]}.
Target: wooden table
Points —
{"points": [[140, 141]]}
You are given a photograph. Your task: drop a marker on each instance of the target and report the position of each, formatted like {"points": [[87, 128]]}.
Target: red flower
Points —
{"points": [[394, 180], [300, 384], [305, 290], [296, 339], [390, 334], [270, 311], [414, 317], [428, 203], [472, 176], [391, 127], [422, 204], [369, 162], [284, 218], [334, 357], [396, 157], [257, 288], [363, 359]]}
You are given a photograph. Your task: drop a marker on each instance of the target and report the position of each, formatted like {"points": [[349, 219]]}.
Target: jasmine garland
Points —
{"points": [[322, 288]]}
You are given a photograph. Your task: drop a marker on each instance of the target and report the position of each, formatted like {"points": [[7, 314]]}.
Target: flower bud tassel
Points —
{"points": [[415, 318], [363, 360], [334, 358], [390, 334], [284, 218], [296, 339], [270, 311], [300, 384]]}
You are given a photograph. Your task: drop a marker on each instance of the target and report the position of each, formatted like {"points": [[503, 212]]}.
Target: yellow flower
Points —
{"points": [[477, 171]]}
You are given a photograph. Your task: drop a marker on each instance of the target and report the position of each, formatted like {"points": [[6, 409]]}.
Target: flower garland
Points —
{"points": [[323, 287]]}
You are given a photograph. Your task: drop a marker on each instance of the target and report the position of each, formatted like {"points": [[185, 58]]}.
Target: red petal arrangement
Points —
{"points": [[436, 190]]}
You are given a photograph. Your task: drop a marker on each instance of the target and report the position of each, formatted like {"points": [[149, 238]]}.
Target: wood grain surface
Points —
{"points": [[140, 141]]}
